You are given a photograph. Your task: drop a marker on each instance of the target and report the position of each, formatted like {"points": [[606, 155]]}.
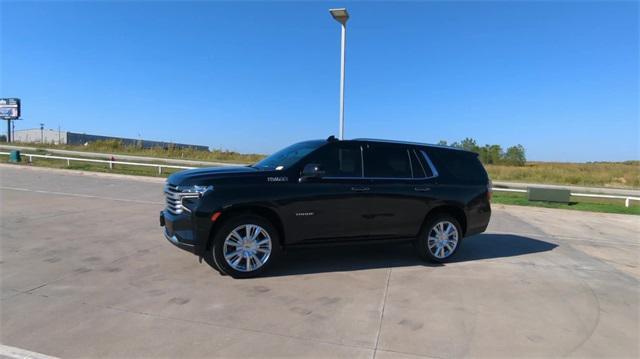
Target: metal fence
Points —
{"points": [[627, 199]]}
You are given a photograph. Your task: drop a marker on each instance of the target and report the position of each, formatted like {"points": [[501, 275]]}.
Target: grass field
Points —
{"points": [[597, 174]]}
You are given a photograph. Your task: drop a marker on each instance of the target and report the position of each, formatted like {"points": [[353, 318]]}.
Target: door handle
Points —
{"points": [[421, 189], [359, 189]]}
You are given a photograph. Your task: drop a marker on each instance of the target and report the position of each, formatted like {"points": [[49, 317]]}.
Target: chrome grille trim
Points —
{"points": [[173, 199]]}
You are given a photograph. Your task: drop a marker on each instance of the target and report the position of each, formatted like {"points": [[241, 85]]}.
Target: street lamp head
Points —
{"points": [[341, 15]]}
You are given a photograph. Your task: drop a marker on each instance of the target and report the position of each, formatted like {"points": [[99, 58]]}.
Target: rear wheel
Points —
{"points": [[439, 239], [245, 246]]}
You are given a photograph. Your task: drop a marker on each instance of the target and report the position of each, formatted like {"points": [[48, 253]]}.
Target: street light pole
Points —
{"points": [[341, 15]]}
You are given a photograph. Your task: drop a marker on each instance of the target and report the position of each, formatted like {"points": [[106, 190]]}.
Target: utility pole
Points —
{"points": [[42, 133]]}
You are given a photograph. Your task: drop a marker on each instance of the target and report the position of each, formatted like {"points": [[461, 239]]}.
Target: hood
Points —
{"points": [[200, 175]]}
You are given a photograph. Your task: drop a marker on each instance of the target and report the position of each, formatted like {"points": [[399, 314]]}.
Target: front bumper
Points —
{"points": [[178, 230]]}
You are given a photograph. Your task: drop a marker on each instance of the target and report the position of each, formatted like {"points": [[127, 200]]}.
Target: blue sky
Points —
{"points": [[560, 78]]}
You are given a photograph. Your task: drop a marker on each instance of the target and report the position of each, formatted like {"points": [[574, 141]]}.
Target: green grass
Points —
{"points": [[589, 205]]}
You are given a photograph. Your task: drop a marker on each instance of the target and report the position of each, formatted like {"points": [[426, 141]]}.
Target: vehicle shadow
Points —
{"points": [[354, 257]]}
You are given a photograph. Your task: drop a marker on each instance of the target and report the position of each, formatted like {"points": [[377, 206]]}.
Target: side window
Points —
{"points": [[462, 166], [387, 161], [418, 166], [339, 160]]}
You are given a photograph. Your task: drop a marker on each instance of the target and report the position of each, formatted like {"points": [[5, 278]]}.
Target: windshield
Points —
{"points": [[289, 155]]}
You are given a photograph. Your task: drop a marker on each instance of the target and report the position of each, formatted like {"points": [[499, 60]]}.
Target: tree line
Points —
{"points": [[492, 154]]}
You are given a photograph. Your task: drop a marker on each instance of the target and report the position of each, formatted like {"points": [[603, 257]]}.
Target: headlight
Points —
{"points": [[199, 190], [190, 194]]}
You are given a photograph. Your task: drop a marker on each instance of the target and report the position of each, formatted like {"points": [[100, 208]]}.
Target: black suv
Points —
{"points": [[328, 191]]}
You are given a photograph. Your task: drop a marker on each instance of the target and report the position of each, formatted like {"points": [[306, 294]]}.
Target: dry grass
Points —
{"points": [[598, 174]]}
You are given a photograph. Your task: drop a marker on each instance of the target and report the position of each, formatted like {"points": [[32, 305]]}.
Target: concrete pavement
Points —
{"points": [[86, 272]]}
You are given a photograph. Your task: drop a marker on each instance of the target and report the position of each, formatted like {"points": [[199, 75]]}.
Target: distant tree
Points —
{"points": [[470, 144], [483, 153], [515, 156], [3, 138], [442, 143], [493, 154]]}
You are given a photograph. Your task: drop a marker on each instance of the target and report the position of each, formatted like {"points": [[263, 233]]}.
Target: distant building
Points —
{"points": [[35, 135], [50, 136]]}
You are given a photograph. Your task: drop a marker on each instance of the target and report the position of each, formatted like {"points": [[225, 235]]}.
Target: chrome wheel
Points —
{"points": [[442, 239], [247, 247]]}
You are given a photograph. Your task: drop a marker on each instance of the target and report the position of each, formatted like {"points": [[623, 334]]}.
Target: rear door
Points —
{"points": [[400, 190]]}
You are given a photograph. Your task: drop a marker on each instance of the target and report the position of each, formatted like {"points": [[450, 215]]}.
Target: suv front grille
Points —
{"points": [[174, 200]]}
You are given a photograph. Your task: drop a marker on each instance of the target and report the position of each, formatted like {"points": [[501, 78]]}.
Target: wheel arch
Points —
{"points": [[455, 211]]}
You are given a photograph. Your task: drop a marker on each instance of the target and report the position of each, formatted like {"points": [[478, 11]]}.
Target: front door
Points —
{"points": [[333, 206]]}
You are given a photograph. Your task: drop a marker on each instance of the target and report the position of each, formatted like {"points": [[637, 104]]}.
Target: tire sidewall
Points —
{"points": [[421, 242], [231, 224]]}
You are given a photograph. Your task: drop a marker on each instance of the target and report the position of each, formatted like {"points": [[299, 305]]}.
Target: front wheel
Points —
{"points": [[245, 246], [439, 239]]}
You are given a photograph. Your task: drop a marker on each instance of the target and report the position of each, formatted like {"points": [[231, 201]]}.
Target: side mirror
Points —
{"points": [[311, 170]]}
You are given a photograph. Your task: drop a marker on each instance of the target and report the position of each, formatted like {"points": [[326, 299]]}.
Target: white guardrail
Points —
{"points": [[627, 199], [110, 162]]}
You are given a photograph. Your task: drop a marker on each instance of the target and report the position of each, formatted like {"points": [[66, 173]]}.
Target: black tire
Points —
{"points": [[208, 257], [247, 263], [427, 250]]}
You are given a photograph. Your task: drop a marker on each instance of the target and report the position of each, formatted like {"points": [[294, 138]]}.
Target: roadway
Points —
{"points": [[86, 272]]}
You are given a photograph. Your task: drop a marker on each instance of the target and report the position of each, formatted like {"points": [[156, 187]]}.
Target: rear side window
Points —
{"points": [[340, 160], [387, 161], [460, 166], [420, 168]]}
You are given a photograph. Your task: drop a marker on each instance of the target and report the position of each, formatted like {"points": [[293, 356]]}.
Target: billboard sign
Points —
{"points": [[9, 108]]}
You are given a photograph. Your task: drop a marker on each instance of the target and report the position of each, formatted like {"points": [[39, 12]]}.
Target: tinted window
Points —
{"points": [[289, 155], [458, 165], [419, 166], [386, 161], [340, 160]]}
